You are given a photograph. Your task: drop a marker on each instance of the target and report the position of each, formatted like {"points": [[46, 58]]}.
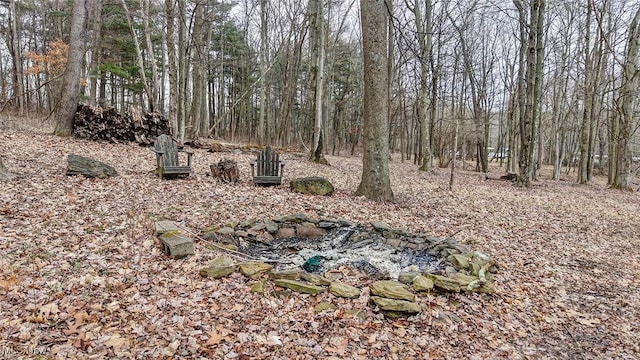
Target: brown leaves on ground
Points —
{"points": [[82, 274]]}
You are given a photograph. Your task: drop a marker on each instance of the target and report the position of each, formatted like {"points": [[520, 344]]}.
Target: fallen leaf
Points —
{"points": [[274, 339], [7, 283], [116, 341], [48, 309], [215, 338]]}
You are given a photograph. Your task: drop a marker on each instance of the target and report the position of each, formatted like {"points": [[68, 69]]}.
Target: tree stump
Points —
{"points": [[226, 170]]}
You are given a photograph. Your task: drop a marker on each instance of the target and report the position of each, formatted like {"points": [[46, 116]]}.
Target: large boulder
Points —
{"points": [[313, 185], [80, 165]]}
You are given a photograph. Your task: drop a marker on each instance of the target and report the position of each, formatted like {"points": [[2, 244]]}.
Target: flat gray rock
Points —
{"points": [[80, 165]]}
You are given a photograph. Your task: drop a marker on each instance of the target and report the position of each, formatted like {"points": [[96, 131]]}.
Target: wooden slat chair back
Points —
{"points": [[167, 159], [267, 169]]}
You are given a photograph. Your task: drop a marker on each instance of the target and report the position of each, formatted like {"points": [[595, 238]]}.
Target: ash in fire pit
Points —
{"points": [[379, 251], [344, 245]]}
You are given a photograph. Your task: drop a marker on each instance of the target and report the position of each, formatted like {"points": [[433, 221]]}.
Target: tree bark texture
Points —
{"points": [[375, 183], [530, 92], [262, 121], [627, 101], [316, 23], [172, 70], [71, 89], [16, 56]]}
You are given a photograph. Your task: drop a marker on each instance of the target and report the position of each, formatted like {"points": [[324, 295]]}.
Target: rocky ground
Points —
{"points": [[82, 274]]}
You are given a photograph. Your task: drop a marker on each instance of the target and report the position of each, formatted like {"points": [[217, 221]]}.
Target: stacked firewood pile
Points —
{"points": [[96, 123]]}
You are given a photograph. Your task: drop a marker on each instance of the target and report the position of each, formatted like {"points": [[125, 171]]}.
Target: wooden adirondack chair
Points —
{"points": [[267, 168], [166, 150]]}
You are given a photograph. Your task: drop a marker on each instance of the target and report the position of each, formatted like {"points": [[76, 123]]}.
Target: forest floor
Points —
{"points": [[83, 276]]}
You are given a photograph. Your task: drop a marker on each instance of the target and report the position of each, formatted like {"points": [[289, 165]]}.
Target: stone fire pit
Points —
{"points": [[316, 255]]}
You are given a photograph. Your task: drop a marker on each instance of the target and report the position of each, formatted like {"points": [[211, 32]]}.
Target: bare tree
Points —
{"points": [[375, 183], [262, 121], [172, 71], [71, 89], [627, 100], [139, 58], [16, 57], [424, 30], [587, 128], [148, 31], [317, 45], [530, 84], [96, 55]]}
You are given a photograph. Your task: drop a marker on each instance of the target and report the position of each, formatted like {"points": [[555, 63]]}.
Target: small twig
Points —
{"points": [[233, 252], [454, 233], [574, 340]]}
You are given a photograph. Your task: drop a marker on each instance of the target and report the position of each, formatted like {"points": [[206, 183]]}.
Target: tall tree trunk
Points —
{"points": [[198, 78], [96, 53], [183, 59], [139, 58], [479, 117], [71, 89], [262, 121], [172, 71], [155, 82], [375, 183], [627, 101], [424, 29], [16, 57], [587, 114], [537, 88], [317, 41], [532, 89]]}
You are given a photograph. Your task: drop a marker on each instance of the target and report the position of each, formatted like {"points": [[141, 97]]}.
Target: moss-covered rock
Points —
{"points": [[300, 286], [315, 279], [396, 305], [341, 289], [460, 260], [313, 185], [221, 267], [421, 283], [291, 274], [444, 283], [392, 290], [254, 270], [217, 272], [258, 287], [408, 277], [322, 306]]}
